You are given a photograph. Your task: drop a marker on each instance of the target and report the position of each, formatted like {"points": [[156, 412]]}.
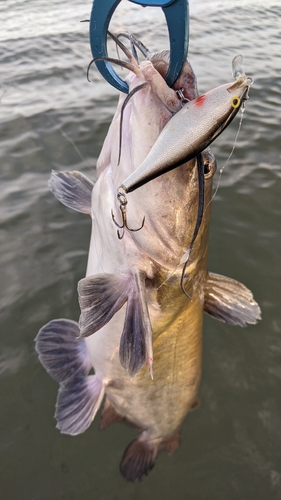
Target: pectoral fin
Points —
{"points": [[72, 189], [77, 404], [100, 297], [229, 301]]}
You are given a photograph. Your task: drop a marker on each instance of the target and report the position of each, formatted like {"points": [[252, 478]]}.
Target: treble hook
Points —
{"points": [[121, 197]]}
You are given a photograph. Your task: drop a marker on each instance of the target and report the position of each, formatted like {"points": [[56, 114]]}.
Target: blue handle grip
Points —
{"points": [[176, 13]]}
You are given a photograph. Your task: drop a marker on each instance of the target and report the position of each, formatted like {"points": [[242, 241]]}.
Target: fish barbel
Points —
{"points": [[137, 328]]}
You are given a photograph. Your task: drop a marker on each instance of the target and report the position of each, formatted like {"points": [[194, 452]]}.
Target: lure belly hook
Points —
{"points": [[177, 17], [121, 197]]}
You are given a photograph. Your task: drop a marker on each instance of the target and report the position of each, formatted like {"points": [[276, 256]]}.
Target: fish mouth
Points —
{"points": [[186, 84]]}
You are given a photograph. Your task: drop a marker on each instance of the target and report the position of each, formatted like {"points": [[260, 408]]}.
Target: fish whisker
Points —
{"points": [[136, 89], [200, 213], [123, 64], [123, 47], [135, 42]]}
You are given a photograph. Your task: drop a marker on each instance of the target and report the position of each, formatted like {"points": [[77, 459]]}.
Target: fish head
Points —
{"points": [[146, 111], [153, 147], [170, 202]]}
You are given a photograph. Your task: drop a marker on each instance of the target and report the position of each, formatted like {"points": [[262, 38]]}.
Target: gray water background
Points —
{"points": [[52, 118]]}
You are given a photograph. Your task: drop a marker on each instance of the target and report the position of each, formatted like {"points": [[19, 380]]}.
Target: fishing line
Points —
{"points": [[230, 154], [97, 252], [5, 92], [68, 138]]}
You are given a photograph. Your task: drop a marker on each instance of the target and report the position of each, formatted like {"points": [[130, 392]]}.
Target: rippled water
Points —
{"points": [[51, 117]]}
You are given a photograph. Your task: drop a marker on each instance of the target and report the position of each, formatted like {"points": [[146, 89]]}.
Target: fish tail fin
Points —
{"points": [[139, 458], [65, 357]]}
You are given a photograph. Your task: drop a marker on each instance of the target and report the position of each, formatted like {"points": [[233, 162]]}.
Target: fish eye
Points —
{"points": [[235, 102], [210, 167]]}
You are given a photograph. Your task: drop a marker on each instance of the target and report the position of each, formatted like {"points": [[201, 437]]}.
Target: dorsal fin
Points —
{"points": [[72, 189]]}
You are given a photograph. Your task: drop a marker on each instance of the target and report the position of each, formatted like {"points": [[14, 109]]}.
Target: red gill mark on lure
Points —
{"points": [[200, 100]]}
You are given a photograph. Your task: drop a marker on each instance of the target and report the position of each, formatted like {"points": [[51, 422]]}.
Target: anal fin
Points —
{"points": [[65, 357], [72, 189], [229, 301], [77, 404], [61, 352]]}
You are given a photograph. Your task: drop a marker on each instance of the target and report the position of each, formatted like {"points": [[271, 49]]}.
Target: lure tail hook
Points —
{"points": [[121, 197]]}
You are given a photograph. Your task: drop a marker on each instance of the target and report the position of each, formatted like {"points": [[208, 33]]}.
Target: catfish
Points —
{"points": [[147, 285]]}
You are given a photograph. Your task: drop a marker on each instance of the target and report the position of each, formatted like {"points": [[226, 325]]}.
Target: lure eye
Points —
{"points": [[235, 102]]}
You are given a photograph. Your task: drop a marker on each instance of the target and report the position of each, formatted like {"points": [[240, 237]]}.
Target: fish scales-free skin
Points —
{"points": [[137, 328]]}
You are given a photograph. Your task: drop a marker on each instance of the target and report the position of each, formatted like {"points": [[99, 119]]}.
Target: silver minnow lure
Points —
{"points": [[192, 129]]}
